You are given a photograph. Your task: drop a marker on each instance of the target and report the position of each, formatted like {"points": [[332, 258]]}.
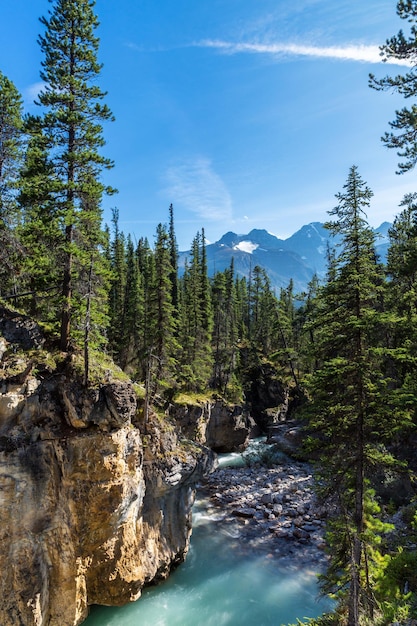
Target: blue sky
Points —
{"points": [[242, 113]]}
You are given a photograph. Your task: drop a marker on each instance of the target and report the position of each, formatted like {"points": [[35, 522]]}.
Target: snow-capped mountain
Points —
{"points": [[298, 258]]}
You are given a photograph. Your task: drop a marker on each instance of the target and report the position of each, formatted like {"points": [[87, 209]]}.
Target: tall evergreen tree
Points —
{"points": [[403, 136], [225, 329], [350, 411], [164, 346], [117, 287], [402, 302], [262, 304], [11, 154], [40, 229], [146, 265], [288, 346], [196, 319], [73, 125], [173, 255], [132, 314]]}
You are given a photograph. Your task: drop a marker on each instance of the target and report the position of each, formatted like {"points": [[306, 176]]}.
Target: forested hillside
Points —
{"points": [[347, 345]]}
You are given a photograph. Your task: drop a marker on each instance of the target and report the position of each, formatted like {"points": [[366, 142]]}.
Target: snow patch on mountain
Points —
{"points": [[246, 246]]}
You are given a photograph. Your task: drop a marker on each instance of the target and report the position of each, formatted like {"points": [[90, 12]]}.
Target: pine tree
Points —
{"points": [[39, 230], [350, 412], [173, 255], [132, 315], [92, 278], [146, 264], [307, 314], [205, 290], [117, 287], [164, 346], [401, 302], [73, 126], [225, 330], [196, 320], [286, 328], [11, 154], [403, 136], [262, 305]]}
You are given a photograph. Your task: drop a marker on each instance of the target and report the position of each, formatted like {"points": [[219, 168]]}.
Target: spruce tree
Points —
{"points": [[173, 255], [163, 348], [401, 335], [132, 314], [225, 330], [288, 349], [262, 306], [72, 124], [351, 414], [11, 154], [146, 265], [196, 320], [403, 136], [39, 230], [117, 287]]}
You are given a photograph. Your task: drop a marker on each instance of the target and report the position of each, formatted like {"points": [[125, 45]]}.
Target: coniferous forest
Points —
{"points": [[347, 347]]}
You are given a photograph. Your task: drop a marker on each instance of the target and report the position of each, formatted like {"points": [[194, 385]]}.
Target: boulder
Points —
{"points": [[215, 424]]}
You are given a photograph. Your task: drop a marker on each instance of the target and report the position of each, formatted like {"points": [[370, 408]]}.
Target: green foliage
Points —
{"points": [[72, 128], [328, 619], [351, 414], [225, 334], [351, 341], [11, 153], [195, 321], [402, 138]]}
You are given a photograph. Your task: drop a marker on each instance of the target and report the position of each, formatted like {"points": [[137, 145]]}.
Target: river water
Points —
{"points": [[221, 584]]}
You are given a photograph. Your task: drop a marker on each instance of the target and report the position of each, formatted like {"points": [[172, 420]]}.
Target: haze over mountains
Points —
{"points": [[298, 258]]}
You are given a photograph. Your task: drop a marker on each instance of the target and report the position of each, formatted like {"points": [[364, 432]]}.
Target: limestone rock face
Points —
{"points": [[219, 426], [68, 519], [91, 509]]}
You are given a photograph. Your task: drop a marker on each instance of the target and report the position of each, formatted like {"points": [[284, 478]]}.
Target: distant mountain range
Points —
{"points": [[298, 258]]}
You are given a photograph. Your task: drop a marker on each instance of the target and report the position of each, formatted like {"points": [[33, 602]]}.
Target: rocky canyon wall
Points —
{"points": [[91, 509]]}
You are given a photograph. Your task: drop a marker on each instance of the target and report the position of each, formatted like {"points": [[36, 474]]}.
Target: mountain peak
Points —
{"points": [[297, 258], [263, 238], [230, 239]]}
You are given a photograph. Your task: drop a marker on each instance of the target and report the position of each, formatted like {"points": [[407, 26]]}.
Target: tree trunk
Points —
{"points": [[66, 293], [354, 592]]}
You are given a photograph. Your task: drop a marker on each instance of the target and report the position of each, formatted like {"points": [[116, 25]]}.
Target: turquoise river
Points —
{"points": [[220, 584]]}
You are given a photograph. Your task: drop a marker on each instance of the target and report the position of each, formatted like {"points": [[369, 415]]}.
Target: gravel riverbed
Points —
{"points": [[269, 509]]}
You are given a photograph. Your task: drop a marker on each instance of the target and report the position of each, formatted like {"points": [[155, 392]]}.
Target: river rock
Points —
{"points": [[244, 512], [271, 500]]}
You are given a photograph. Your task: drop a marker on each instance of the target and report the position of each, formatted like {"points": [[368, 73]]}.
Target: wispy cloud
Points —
{"points": [[33, 91], [197, 187], [360, 53]]}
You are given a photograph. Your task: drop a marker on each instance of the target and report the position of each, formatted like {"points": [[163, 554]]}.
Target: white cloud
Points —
{"points": [[361, 53], [194, 185], [33, 91]]}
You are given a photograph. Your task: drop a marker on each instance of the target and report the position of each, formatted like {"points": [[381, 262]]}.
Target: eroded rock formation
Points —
{"points": [[221, 427], [91, 509]]}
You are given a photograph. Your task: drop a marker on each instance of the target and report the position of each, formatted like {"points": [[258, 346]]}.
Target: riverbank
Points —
{"points": [[246, 565], [272, 510]]}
